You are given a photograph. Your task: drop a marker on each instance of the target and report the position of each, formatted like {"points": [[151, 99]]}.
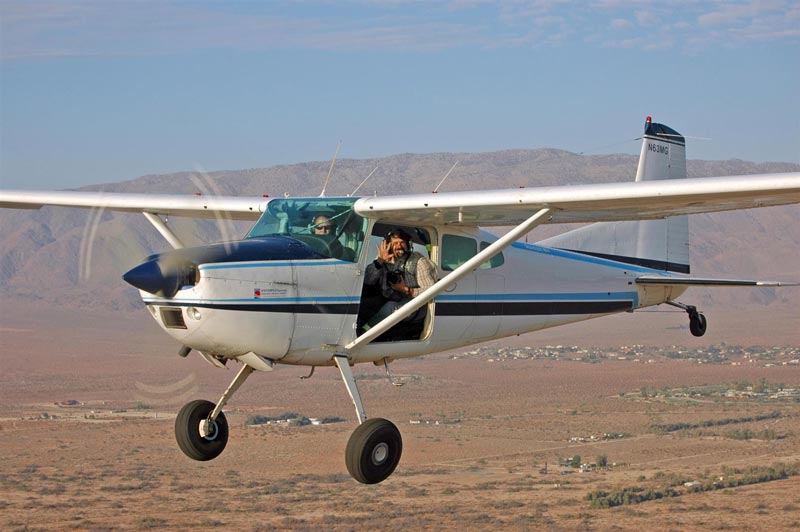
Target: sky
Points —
{"points": [[104, 91]]}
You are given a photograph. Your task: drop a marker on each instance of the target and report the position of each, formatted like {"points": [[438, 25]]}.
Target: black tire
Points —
{"points": [[373, 451], [698, 324], [187, 431]]}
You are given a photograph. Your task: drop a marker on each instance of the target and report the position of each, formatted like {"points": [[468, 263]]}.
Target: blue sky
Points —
{"points": [[95, 92]]}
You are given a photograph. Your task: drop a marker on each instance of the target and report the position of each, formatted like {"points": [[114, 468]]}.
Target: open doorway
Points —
{"points": [[385, 281]]}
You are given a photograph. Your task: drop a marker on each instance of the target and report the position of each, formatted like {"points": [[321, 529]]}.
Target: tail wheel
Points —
{"points": [[697, 324], [195, 443], [373, 451]]}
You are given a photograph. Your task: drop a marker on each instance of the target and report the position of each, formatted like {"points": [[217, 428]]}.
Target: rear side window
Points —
{"points": [[495, 261], [456, 250]]}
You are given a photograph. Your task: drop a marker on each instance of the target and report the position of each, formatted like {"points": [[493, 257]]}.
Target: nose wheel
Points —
{"points": [[201, 428], [197, 438]]}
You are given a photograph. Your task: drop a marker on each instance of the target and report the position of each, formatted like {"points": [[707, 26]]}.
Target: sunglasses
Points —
{"points": [[325, 227]]}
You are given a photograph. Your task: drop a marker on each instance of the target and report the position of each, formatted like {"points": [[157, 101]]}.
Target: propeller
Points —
{"points": [[164, 275]]}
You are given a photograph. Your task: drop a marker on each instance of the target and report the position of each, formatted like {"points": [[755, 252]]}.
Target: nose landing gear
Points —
{"points": [[201, 428], [197, 438], [697, 321]]}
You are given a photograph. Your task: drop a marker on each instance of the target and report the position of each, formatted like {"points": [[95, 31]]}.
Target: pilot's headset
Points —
{"points": [[401, 234], [314, 224]]}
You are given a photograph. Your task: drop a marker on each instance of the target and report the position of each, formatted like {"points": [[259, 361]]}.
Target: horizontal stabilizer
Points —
{"points": [[706, 281]]}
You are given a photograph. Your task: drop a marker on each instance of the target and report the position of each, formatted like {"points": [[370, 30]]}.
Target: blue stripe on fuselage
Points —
{"points": [[271, 264], [543, 250]]}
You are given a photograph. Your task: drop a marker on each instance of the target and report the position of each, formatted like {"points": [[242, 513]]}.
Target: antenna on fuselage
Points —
{"points": [[445, 177], [330, 171], [365, 180]]}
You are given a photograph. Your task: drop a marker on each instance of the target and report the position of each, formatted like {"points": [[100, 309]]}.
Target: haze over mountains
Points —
{"points": [[74, 258]]}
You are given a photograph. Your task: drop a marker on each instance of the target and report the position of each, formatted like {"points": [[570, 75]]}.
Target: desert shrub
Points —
{"points": [[151, 523], [673, 427], [748, 434]]}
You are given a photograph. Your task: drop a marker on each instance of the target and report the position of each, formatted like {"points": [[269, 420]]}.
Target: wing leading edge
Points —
{"points": [[588, 203], [237, 208]]}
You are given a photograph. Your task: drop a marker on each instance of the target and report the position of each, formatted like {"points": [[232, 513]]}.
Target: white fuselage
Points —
{"points": [[304, 311]]}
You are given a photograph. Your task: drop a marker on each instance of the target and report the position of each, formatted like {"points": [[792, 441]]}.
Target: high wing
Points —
{"points": [[233, 207], [588, 203], [567, 203]]}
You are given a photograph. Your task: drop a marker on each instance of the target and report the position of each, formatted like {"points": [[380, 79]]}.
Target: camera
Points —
{"points": [[394, 278]]}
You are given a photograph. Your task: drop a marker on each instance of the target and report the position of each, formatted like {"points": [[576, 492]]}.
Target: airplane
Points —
{"points": [[286, 295]]}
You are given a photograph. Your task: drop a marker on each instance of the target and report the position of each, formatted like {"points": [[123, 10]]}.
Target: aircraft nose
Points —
{"points": [[161, 278]]}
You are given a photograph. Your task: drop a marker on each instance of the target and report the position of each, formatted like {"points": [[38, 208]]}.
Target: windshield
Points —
{"points": [[329, 226]]}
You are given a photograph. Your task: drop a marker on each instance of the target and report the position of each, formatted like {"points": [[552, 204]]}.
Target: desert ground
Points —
{"points": [[484, 455]]}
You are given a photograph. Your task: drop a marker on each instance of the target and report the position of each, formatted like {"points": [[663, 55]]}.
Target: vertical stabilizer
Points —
{"points": [[659, 244], [663, 154]]}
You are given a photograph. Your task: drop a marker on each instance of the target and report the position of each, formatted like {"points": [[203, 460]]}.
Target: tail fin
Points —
{"points": [[659, 244]]}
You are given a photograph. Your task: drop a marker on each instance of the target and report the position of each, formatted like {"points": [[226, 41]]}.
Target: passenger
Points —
{"points": [[401, 274]]}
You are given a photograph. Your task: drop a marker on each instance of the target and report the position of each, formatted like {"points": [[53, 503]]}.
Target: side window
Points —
{"points": [[456, 250], [495, 261]]}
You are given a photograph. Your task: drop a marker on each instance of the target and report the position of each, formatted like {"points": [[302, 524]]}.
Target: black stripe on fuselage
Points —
{"points": [[531, 308], [495, 308], [636, 261]]}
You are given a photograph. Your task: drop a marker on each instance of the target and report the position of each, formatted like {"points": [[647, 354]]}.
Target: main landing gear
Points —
{"points": [[697, 321], [373, 450]]}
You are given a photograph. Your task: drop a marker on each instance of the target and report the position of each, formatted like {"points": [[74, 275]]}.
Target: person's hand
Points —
{"points": [[401, 286], [384, 253]]}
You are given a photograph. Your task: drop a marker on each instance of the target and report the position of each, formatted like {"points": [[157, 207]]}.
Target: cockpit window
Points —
{"points": [[329, 226]]}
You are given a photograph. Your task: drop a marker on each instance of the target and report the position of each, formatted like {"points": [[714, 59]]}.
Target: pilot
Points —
{"points": [[323, 225], [401, 274]]}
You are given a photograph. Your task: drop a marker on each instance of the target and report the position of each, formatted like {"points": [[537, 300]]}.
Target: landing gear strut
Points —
{"points": [[201, 428], [697, 321], [373, 450]]}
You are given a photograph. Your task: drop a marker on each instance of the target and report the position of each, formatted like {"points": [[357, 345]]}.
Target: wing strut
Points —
{"points": [[162, 228], [422, 299]]}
